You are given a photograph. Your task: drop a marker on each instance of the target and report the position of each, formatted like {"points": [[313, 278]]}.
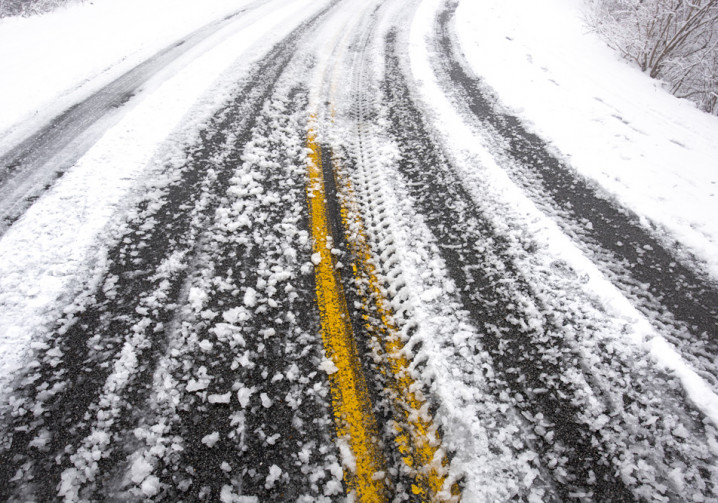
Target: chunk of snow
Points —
{"points": [[243, 395], [250, 297], [316, 258], [196, 298], [211, 439], [268, 332], [333, 487], [226, 495], [205, 345], [274, 473], [140, 470], [150, 486], [224, 398], [328, 366], [194, 385], [235, 314], [348, 460], [41, 440]]}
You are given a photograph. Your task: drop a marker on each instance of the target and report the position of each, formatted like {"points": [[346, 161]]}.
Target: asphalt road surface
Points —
{"points": [[323, 298]]}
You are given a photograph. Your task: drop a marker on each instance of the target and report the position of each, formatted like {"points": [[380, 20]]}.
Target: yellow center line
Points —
{"points": [[417, 439], [355, 423]]}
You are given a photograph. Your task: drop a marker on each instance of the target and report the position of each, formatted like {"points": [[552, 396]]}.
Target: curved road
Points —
{"points": [[316, 294]]}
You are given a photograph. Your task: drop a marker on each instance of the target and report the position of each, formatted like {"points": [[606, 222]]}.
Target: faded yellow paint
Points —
{"points": [[354, 419], [417, 439]]}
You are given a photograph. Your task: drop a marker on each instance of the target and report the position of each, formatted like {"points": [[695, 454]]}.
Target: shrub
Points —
{"points": [[672, 40], [29, 7]]}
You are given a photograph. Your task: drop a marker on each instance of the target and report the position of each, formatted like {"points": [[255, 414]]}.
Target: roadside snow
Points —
{"points": [[486, 180], [657, 154], [50, 62]]}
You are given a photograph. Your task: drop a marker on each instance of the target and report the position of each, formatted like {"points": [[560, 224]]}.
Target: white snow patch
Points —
{"points": [[274, 473], [224, 398], [250, 297], [462, 139], [54, 249], [48, 63], [211, 439], [328, 366], [655, 152]]}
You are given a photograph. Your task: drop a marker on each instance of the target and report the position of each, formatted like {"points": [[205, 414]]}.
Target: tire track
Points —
{"points": [[680, 301], [586, 448], [107, 345], [405, 461], [246, 412], [418, 468], [25, 172]]}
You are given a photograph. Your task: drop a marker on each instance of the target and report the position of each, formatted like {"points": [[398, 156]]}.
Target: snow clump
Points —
{"points": [[211, 439]]}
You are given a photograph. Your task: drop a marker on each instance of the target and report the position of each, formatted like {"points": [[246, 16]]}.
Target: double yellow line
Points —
{"points": [[416, 438], [355, 424]]}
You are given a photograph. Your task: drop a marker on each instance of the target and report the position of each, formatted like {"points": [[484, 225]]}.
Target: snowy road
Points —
{"points": [[310, 257]]}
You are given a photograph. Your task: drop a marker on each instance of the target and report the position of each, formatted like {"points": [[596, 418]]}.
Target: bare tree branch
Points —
{"points": [[672, 40]]}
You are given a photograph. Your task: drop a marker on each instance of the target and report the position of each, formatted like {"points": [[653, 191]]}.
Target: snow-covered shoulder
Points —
{"points": [[51, 61], [657, 154]]}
